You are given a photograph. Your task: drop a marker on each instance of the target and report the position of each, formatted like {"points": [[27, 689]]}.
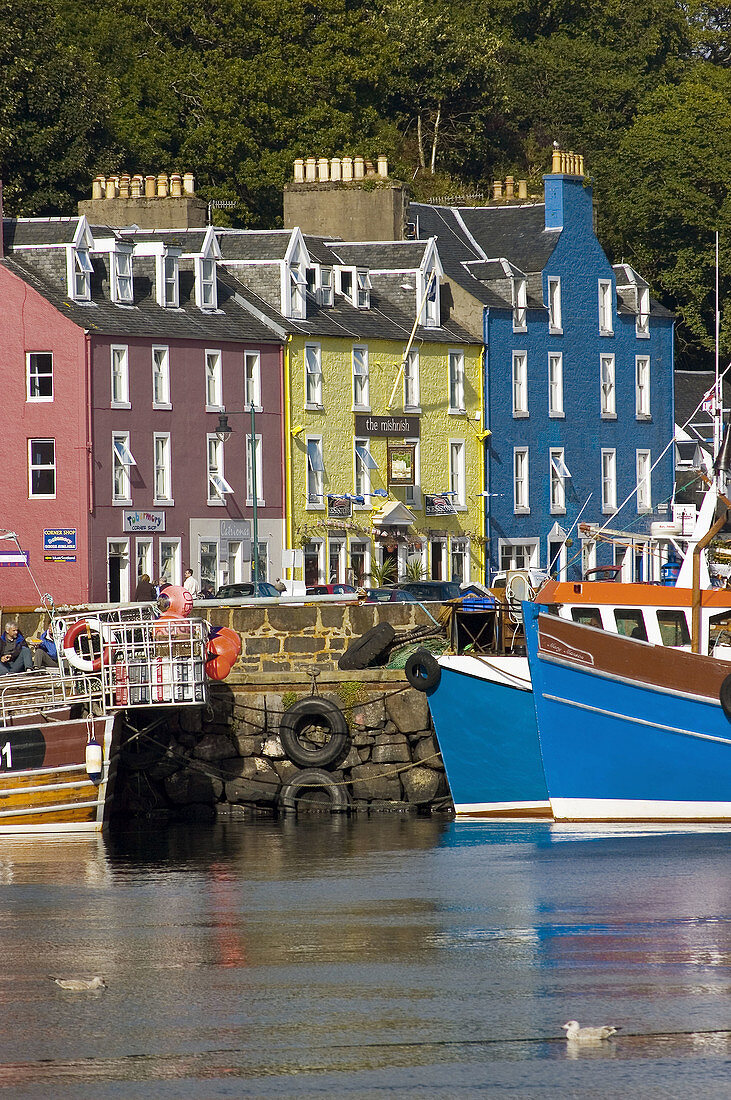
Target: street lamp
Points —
{"points": [[224, 431]]}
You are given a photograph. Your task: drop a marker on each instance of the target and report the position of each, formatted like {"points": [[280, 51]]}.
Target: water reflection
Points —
{"points": [[352, 958]]}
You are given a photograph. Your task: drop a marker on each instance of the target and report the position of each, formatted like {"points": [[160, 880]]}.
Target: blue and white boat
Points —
{"points": [[628, 731]]}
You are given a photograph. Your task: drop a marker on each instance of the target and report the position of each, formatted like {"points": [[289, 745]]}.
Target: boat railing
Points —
{"points": [[142, 659], [25, 695]]}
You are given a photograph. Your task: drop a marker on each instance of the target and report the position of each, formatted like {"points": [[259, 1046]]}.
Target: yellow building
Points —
{"points": [[383, 417]]}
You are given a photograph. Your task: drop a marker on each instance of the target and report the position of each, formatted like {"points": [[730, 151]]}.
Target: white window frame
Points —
{"points": [[520, 384], [119, 376], [455, 380], [120, 546], [167, 270], [122, 461], [258, 452], [363, 463], [555, 318], [160, 377], [362, 289], [32, 467], [121, 282], [217, 486], [642, 323], [520, 304], [313, 376], [521, 480], [606, 307], [608, 386], [79, 270], [457, 474], [524, 554], [345, 282], [206, 287], [296, 290], [644, 480], [642, 387], [144, 562], [162, 467], [213, 366], [361, 377], [558, 472], [175, 544], [609, 480], [252, 380], [412, 381], [325, 286], [37, 376], [315, 476], [555, 384], [431, 313], [460, 544], [365, 545]]}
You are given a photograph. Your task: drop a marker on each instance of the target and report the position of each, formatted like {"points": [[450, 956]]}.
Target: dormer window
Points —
{"points": [[297, 290], [345, 277], [642, 326], [80, 274], [520, 305], [121, 276], [206, 291], [428, 290], [364, 290], [168, 293], [326, 286]]}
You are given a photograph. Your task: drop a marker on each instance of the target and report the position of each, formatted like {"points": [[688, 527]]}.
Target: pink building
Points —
{"points": [[120, 350]]}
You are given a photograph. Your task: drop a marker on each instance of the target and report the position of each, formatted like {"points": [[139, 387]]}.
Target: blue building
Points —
{"points": [[578, 379]]}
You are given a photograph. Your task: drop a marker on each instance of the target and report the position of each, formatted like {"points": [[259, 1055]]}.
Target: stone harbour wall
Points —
{"points": [[228, 759]]}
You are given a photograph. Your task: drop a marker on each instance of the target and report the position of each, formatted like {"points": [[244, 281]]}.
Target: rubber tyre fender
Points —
{"points": [[725, 697], [368, 648], [302, 714], [314, 777], [422, 670]]}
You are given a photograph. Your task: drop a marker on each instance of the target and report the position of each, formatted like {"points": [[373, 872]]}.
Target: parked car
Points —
{"points": [[244, 589], [431, 591], [387, 595], [331, 590]]}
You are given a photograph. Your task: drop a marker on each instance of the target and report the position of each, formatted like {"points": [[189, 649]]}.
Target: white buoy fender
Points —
{"points": [[94, 760]]}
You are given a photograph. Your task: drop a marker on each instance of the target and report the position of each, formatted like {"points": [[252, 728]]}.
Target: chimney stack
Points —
{"points": [[150, 202]]}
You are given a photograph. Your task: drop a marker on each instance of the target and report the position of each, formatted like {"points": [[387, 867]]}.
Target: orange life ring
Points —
{"points": [[82, 626]]}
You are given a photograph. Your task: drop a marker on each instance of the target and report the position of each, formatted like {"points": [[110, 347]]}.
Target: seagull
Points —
{"points": [[81, 985], [587, 1034]]}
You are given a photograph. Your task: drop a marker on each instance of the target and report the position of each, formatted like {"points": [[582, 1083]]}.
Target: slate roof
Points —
{"points": [[691, 386], [38, 231], [381, 255]]}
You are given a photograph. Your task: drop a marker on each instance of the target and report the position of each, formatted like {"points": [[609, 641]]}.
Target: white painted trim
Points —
{"points": [[631, 809]]}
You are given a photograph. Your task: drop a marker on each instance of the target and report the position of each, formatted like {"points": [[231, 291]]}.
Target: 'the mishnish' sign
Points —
{"points": [[389, 425]]}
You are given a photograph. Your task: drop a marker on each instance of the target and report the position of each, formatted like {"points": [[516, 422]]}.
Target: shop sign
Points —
{"points": [[438, 505], [13, 557], [143, 522], [59, 539], [59, 557], [339, 507], [235, 529], [372, 424], [401, 463]]}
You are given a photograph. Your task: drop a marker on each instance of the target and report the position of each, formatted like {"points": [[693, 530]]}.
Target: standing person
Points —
{"points": [[14, 653], [145, 589], [191, 584]]}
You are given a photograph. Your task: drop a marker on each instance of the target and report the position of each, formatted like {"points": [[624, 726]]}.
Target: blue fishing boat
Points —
{"points": [[628, 731]]}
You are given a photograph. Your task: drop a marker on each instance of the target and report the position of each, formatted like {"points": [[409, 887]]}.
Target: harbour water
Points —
{"points": [[366, 958]]}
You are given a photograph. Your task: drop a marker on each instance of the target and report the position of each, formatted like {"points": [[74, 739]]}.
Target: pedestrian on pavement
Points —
{"points": [[145, 590], [14, 653], [191, 584]]}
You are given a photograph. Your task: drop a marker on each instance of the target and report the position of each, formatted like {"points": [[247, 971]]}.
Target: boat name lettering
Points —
{"points": [[549, 644]]}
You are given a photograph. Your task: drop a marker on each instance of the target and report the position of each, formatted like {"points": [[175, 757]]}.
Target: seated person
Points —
{"points": [[14, 653], [45, 654]]}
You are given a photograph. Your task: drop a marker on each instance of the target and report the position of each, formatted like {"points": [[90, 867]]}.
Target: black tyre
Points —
{"points": [[304, 794], [314, 732], [367, 649], [725, 697], [422, 670]]}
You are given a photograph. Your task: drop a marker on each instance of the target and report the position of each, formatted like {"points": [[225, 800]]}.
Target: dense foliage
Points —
{"points": [[455, 94]]}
